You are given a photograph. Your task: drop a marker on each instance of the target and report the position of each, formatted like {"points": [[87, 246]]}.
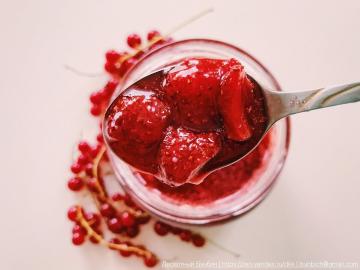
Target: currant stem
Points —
{"points": [[168, 34], [102, 194], [124, 247]]}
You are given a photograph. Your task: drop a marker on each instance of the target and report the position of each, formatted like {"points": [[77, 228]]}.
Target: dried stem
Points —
{"points": [[121, 246]]}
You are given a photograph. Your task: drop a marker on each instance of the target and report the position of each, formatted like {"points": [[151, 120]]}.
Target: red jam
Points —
{"points": [[219, 184], [182, 124]]}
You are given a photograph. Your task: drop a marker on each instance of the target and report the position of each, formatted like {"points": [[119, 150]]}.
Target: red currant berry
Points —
{"points": [[100, 138], [83, 160], [110, 67], [95, 150], [115, 225], [150, 261], [125, 253], [78, 238], [143, 219], [128, 201], [185, 235], [127, 219], [95, 110], [72, 213], [79, 229], [117, 197], [134, 40], [96, 97], [126, 65], [111, 86], [198, 240], [94, 239], [92, 185], [89, 170], [93, 219], [153, 34], [175, 230], [76, 168], [75, 184], [84, 147], [112, 56], [161, 228], [132, 231], [107, 210]]}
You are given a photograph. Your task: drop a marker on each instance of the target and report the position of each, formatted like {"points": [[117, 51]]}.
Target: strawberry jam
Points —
{"points": [[181, 124]]}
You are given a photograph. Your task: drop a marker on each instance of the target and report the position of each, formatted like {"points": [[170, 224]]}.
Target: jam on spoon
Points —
{"points": [[182, 123]]}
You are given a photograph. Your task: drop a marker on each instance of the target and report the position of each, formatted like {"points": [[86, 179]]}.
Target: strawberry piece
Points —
{"points": [[235, 88], [136, 127], [183, 153], [191, 88]]}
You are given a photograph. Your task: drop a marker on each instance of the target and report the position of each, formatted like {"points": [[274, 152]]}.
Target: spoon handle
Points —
{"points": [[282, 104]]}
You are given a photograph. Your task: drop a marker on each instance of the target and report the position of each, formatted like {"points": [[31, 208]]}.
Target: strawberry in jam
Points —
{"points": [[182, 124]]}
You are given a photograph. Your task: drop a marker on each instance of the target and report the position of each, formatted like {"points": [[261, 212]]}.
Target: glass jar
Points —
{"points": [[261, 181]]}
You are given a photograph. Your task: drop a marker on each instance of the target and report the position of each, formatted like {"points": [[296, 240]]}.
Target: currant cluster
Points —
{"points": [[119, 62], [163, 229], [116, 214]]}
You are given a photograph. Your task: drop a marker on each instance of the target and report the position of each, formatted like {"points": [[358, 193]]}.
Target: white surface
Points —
{"points": [[311, 215]]}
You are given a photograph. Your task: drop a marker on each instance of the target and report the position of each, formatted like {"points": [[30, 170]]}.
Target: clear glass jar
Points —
{"points": [[236, 203]]}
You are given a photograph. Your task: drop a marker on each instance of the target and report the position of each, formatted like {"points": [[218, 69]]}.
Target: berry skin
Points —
{"points": [[107, 210], [135, 127], [132, 231], [161, 228], [198, 240], [115, 225], [183, 153], [83, 160], [78, 239], [127, 219], [94, 240], [75, 184], [100, 138], [110, 67], [110, 88], [117, 197], [95, 150], [192, 89], [89, 170], [93, 219], [92, 185], [150, 261], [143, 219], [84, 147], [72, 213], [125, 66], [112, 56], [235, 88], [185, 235], [125, 253], [95, 110], [153, 34], [78, 229], [96, 97], [76, 168], [134, 41]]}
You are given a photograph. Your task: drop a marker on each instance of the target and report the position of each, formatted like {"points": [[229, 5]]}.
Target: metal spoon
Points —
{"points": [[282, 104]]}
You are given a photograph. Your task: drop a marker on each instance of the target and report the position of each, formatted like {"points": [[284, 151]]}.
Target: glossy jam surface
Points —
{"points": [[219, 184], [182, 124]]}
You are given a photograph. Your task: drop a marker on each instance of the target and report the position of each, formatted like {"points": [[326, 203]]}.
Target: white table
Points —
{"points": [[312, 214]]}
